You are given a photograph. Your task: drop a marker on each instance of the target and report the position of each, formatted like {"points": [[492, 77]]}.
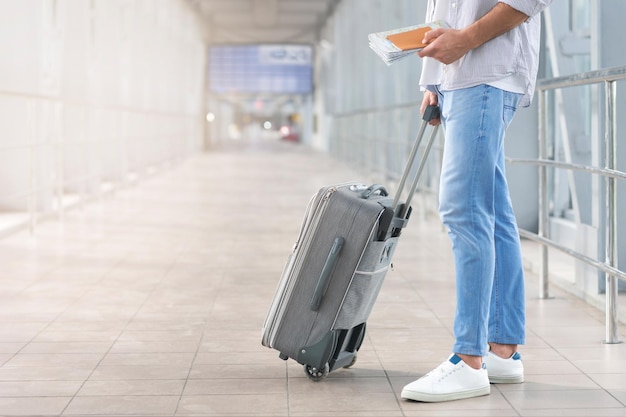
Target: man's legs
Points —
{"points": [[471, 192], [472, 189]]}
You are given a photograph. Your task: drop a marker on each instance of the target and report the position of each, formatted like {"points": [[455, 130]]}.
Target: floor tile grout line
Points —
{"points": [[388, 378], [130, 320], [182, 391]]}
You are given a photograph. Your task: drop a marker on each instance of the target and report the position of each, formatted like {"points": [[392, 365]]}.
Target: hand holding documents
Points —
{"points": [[396, 44]]}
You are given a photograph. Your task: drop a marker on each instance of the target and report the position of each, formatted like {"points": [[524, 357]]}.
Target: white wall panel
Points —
{"points": [[94, 91], [21, 45]]}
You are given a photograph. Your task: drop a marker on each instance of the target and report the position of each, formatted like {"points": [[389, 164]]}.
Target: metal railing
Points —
{"points": [[608, 77]]}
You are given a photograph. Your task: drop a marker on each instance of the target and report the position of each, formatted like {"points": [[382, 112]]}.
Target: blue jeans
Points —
{"points": [[475, 206]]}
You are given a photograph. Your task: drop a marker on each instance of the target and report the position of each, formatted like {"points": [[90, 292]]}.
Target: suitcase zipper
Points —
{"points": [[315, 208]]}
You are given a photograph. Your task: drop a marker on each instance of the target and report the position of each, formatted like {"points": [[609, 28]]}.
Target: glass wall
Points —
{"points": [[93, 94]]}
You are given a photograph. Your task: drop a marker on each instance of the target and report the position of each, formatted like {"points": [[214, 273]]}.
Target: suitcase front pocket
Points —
{"points": [[365, 285], [360, 299]]}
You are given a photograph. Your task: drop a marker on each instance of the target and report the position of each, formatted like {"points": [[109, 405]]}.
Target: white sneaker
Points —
{"points": [[504, 371], [452, 380]]}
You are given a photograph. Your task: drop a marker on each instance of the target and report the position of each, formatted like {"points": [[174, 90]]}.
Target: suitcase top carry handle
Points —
{"points": [[372, 189], [430, 113]]}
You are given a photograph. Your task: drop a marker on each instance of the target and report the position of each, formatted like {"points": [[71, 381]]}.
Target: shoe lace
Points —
{"points": [[441, 371]]}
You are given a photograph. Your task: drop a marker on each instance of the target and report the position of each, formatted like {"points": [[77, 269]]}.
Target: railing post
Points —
{"points": [[60, 159], [611, 215], [369, 137], [544, 205], [33, 168]]}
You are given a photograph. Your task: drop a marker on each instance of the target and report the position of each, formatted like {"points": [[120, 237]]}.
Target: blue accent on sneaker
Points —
{"points": [[455, 359], [516, 356]]}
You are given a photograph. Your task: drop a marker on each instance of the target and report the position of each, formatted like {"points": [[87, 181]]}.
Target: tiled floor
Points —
{"points": [[150, 302]]}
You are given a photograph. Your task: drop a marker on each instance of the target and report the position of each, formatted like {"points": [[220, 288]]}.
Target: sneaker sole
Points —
{"points": [[435, 398], [512, 379]]}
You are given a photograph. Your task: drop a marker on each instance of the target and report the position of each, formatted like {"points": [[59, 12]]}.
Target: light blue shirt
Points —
{"points": [[511, 56]]}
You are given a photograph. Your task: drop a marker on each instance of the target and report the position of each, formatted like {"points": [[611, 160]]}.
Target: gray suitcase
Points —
{"points": [[332, 277]]}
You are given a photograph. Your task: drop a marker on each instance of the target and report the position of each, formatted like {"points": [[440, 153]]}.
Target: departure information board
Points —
{"points": [[280, 69]]}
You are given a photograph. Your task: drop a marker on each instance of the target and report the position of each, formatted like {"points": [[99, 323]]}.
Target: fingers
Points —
{"points": [[433, 99], [431, 35], [444, 45], [430, 99]]}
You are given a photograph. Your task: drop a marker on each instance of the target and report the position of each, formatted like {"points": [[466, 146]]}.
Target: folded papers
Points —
{"points": [[396, 44]]}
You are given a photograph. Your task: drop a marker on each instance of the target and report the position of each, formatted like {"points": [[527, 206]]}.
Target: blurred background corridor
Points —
{"points": [[156, 158]]}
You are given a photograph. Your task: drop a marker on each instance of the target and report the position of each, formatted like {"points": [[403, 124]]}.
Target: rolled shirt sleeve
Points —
{"points": [[530, 8]]}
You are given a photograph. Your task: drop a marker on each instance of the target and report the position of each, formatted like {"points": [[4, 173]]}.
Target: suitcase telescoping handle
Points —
{"points": [[431, 112]]}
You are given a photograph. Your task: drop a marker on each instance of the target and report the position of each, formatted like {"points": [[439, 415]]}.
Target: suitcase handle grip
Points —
{"points": [[327, 271], [373, 189]]}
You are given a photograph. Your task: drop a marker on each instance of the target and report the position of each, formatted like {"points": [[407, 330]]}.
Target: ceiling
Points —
{"points": [[263, 21]]}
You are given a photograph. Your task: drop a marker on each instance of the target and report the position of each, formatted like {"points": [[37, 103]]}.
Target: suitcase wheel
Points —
{"points": [[315, 374]]}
